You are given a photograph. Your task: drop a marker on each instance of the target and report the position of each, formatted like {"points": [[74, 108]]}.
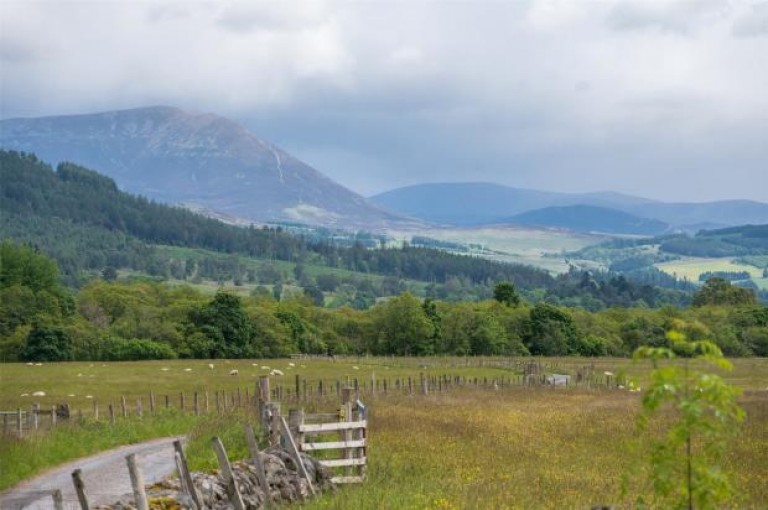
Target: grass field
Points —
{"points": [[513, 244], [517, 447], [692, 267]]}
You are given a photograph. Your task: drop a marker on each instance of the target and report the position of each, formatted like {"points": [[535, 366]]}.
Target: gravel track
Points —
{"points": [[105, 476]]}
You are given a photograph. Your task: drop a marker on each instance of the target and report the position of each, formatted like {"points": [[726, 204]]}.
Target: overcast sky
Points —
{"points": [[664, 99]]}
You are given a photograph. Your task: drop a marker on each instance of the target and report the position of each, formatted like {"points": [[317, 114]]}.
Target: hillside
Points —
{"points": [[83, 220], [587, 218], [201, 160], [485, 204]]}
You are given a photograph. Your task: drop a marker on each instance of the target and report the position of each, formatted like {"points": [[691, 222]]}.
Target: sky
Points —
{"points": [[662, 99]]}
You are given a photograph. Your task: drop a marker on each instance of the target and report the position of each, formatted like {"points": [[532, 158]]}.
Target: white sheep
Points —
{"points": [[210, 365], [38, 394], [277, 372], [234, 372]]}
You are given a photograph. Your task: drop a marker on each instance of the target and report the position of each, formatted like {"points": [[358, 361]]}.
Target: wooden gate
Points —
{"points": [[344, 432]]}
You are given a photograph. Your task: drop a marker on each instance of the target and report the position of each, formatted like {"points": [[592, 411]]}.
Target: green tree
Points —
{"points": [[505, 292], [717, 291], [226, 324], [685, 461], [48, 343], [403, 327], [551, 331]]}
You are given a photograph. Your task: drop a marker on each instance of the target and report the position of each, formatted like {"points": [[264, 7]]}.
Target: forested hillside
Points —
{"points": [[80, 201], [89, 227]]}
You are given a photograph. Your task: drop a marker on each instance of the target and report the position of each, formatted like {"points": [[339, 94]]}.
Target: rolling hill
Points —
{"points": [[486, 203], [589, 218], [203, 161]]}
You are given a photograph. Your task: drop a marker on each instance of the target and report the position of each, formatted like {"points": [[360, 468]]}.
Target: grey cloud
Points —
{"points": [[562, 95], [675, 16], [753, 23], [17, 51]]}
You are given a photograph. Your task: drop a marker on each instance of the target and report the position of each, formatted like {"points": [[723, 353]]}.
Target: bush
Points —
{"points": [[118, 349]]}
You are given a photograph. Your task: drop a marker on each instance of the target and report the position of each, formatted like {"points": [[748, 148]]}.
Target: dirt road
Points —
{"points": [[105, 476]]}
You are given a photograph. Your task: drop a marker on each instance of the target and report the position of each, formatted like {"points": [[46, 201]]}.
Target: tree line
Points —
{"points": [[42, 320]]}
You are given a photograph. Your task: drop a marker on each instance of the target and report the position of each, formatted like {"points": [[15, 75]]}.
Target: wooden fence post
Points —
{"points": [[197, 405], [58, 500], [294, 451], [80, 489], [181, 401], [19, 424], [274, 425], [53, 416], [185, 475], [207, 406], [424, 384], [95, 410], [229, 477], [152, 403], [111, 413], [139, 408], [253, 448], [346, 435], [137, 481], [36, 415]]}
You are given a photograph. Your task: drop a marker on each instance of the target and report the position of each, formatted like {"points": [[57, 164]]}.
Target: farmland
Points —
{"points": [[471, 447], [692, 267], [512, 244]]}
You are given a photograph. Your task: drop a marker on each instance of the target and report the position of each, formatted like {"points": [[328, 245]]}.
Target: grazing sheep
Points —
{"points": [[89, 396], [187, 369], [38, 394], [24, 395], [210, 365], [234, 372], [264, 367], [291, 364], [277, 372]]}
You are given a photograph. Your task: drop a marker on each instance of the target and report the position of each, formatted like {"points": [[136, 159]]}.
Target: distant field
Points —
{"points": [[515, 245], [692, 267]]}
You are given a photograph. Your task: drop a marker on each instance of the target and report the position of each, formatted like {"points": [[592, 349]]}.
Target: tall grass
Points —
{"points": [[25, 457]]}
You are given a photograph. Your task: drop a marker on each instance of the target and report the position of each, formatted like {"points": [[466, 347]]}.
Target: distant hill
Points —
{"points": [[486, 203], [728, 242], [202, 160], [589, 218]]}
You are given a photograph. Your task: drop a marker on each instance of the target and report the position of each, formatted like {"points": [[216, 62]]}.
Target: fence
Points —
{"points": [[302, 390], [299, 434]]}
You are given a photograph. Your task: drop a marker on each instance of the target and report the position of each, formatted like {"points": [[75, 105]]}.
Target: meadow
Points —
{"points": [[517, 245], [470, 447], [692, 267]]}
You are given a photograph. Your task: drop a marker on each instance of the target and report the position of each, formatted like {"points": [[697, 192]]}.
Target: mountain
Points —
{"points": [[486, 203], [201, 160], [589, 218]]}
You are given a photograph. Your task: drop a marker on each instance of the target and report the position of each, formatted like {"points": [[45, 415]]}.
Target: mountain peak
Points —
{"points": [[176, 156]]}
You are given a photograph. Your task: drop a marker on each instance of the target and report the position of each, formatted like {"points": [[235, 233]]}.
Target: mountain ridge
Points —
{"points": [[175, 156], [490, 203]]}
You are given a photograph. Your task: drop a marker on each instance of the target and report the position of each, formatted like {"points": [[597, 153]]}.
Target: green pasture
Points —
{"points": [[80, 383], [513, 244], [692, 267]]}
